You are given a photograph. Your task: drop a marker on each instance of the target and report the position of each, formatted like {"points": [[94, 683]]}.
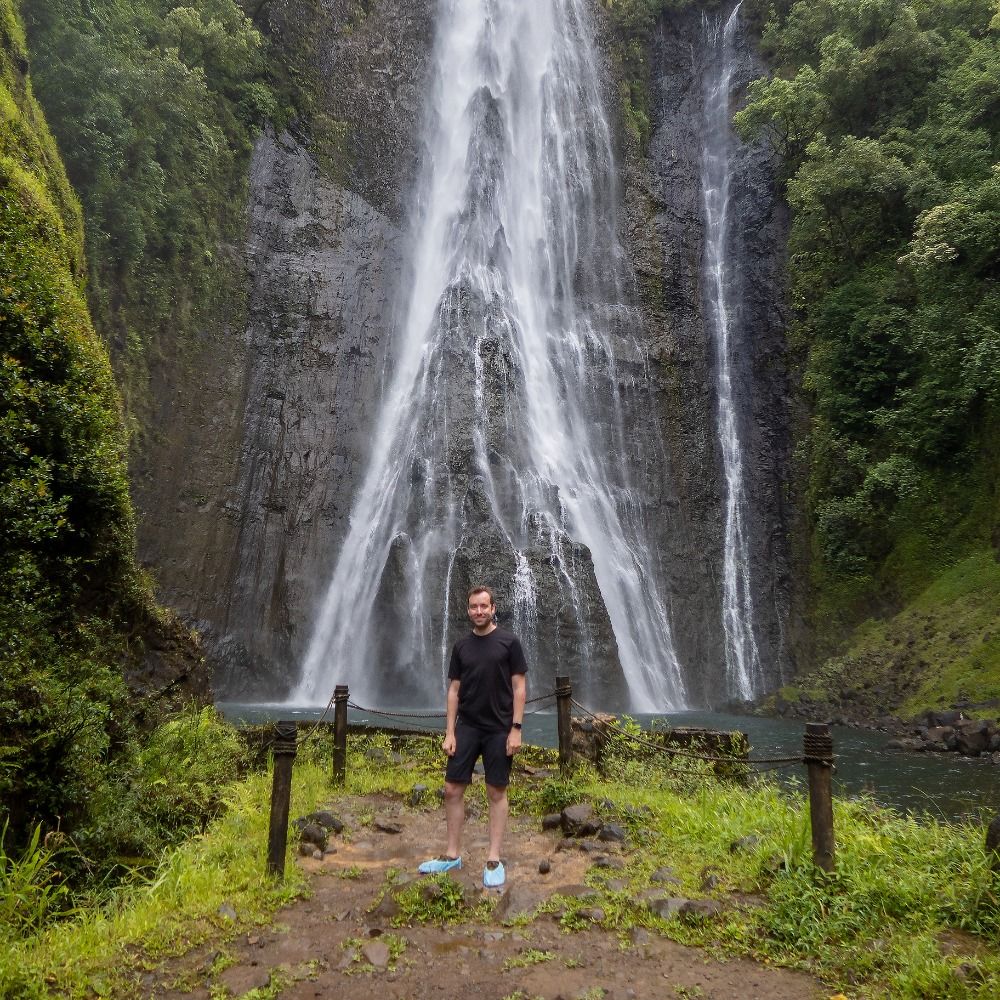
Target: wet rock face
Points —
{"points": [[666, 223], [246, 499], [324, 267], [244, 491]]}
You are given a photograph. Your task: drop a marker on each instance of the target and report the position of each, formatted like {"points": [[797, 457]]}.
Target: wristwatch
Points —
{"points": [[515, 725]]}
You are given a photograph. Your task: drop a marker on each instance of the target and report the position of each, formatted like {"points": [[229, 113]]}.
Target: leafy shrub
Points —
{"points": [[31, 887], [174, 783]]}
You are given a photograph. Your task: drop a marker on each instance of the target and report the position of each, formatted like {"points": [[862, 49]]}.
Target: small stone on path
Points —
{"points": [[387, 825], [517, 900], [376, 953]]}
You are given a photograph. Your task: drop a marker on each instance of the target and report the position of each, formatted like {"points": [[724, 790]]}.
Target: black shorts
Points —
{"points": [[471, 743]]}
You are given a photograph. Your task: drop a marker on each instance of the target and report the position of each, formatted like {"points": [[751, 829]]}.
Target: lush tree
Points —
{"points": [[888, 115]]}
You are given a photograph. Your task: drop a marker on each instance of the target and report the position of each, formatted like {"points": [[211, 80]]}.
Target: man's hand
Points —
{"points": [[448, 744], [513, 742]]}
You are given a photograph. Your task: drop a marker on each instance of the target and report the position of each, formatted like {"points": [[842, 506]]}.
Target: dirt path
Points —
{"points": [[335, 945]]}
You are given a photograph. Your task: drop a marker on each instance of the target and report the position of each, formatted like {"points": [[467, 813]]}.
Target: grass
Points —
{"points": [[527, 958], [912, 910], [100, 950]]}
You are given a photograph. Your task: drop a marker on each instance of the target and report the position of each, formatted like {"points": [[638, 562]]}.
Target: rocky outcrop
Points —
{"points": [[952, 732], [244, 494]]}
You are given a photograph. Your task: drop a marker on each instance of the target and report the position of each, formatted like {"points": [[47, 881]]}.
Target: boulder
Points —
{"points": [[386, 908], [612, 832], [518, 900], [327, 820], [944, 718], [664, 876], [747, 843], [667, 906], [574, 818], [972, 738], [313, 833], [701, 909], [376, 953], [609, 861]]}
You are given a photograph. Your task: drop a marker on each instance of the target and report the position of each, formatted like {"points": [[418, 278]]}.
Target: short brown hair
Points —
{"points": [[481, 589]]}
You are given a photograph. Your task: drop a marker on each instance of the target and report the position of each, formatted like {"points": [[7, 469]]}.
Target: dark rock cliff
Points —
{"points": [[245, 492], [666, 217], [245, 496]]}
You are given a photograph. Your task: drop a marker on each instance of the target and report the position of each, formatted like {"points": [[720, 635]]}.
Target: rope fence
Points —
{"points": [[817, 755]]}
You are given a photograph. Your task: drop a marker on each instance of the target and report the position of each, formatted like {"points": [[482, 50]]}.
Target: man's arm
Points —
{"points": [[452, 709], [520, 692]]}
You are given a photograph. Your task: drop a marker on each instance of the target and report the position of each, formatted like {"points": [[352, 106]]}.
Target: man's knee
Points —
{"points": [[454, 791], [496, 794]]}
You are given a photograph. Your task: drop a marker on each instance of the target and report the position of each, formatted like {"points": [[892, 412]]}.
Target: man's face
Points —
{"points": [[480, 610]]}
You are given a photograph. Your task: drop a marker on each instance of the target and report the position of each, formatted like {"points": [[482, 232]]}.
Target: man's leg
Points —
{"points": [[498, 819], [454, 814], [457, 776]]}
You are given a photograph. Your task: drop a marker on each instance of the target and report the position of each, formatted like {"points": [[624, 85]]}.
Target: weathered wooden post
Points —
{"points": [[564, 694], [283, 750], [340, 696], [993, 843], [818, 755]]}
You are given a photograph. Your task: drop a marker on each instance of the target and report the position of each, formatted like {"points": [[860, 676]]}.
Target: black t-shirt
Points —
{"points": [[484, 665]]}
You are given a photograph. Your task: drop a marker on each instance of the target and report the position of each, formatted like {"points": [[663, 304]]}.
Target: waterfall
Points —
{"points": [[506, 448], [743, 667]]}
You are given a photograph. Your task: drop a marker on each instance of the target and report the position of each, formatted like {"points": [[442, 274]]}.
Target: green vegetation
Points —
{"points": [[70, 594], [942, 649], [902, 887], [103, 947], [913, 910], [155, 107], [887, 118]]}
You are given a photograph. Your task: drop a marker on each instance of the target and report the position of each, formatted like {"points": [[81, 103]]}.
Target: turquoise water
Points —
{"points": [[944, 785]]}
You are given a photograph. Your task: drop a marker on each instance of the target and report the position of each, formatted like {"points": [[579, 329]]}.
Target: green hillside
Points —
{"points": [[73, 607], [887, 115]]}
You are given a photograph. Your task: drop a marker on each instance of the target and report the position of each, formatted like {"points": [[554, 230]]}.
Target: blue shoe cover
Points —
{"points": [[437, 865], [493, 878]]}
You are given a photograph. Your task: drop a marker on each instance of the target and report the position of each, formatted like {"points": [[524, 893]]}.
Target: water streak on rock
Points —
{"points": [[744, 676]]}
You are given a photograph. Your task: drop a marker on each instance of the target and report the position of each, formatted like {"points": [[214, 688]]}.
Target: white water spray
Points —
{"points": [[515, 379]]}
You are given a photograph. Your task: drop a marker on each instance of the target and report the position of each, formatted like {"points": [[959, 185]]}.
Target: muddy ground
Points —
{"points": [[340, 943]]}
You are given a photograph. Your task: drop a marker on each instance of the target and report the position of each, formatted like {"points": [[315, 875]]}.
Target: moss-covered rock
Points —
{"points": [[73, 605]]}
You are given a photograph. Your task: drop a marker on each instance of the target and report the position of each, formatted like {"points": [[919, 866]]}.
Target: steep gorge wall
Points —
{"points": [[244, 495], [667, 238], [248, 488]]}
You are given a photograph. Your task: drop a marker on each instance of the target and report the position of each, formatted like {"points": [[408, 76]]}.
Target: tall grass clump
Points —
{"points": [[176, 906]]}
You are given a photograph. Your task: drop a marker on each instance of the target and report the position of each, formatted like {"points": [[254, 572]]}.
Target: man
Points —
{"points": [[485, 704]]}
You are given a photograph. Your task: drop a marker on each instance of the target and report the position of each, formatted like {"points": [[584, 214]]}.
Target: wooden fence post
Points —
{"points": [[340, 696], [283, 750], [818, 754], [564, 693]]}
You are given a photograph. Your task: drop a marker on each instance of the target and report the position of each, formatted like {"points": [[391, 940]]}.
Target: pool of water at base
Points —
{"points": [[946, 786]]}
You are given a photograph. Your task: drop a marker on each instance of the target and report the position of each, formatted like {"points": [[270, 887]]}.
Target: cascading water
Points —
{"points": [[743, 667], [504, 447]]}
